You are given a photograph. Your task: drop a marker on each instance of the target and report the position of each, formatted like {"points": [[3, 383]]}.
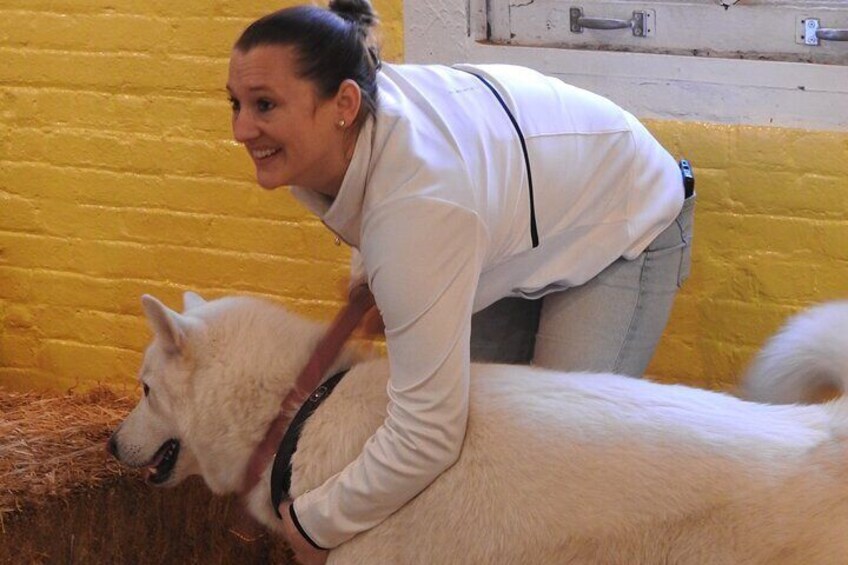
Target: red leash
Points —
{"points": [[360, 302]]}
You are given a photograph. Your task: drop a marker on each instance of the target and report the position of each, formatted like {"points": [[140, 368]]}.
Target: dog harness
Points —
{"points": [[281, 472]]}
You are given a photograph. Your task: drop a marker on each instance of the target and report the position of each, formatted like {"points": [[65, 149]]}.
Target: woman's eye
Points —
{"points": [[234, 104], [146, 389], [264, 105]]}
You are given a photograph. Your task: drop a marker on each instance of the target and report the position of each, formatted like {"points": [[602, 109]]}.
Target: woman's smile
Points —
{"points": [[264, 154]]}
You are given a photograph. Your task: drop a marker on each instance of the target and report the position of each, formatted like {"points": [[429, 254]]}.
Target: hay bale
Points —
{"points": [[63, 500], [51, 445]]}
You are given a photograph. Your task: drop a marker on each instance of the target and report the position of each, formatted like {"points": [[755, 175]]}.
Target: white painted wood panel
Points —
{"points": [[651, 85], [703, 29]]}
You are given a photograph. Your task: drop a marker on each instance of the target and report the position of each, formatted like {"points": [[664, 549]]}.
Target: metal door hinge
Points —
{"points": [[811, 32]]}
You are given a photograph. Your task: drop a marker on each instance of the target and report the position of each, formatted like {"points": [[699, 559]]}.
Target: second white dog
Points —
{"points": [[556, 468]]}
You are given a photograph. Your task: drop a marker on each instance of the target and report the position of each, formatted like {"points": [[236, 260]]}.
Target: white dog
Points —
{"points": [[556, 467]]}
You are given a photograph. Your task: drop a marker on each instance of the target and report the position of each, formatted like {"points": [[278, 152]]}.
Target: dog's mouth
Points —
{"points": [[160, 467]]}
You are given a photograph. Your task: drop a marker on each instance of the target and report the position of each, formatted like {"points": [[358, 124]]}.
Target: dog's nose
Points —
{"points": [[112, 446]]}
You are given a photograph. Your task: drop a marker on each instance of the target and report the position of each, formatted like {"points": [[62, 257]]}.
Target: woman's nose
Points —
{"points": [[244, 127]]}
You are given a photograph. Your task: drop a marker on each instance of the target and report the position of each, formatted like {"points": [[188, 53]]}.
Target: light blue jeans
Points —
{"points": [[610, 324]]}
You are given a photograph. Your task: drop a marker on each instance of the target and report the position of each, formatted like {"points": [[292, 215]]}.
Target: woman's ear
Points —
{"points": [[348, 100]]}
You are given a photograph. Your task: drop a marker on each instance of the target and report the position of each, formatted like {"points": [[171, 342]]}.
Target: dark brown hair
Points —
{"points": [[332, 45]]}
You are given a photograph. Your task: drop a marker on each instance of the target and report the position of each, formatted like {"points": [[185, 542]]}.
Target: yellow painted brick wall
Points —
{"points": [[118, 177], [771, 237]]}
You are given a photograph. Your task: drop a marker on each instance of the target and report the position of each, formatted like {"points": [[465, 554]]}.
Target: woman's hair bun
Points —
{"points": [[358, 11]]}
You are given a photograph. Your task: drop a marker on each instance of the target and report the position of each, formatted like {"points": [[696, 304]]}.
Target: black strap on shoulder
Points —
{"points": [[534, 232], [281, 471]]}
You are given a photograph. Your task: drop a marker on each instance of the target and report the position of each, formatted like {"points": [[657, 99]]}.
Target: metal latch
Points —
{"points": [[642, 22], [812, 33]]}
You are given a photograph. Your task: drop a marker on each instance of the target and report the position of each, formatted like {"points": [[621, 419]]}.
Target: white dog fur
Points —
{"points": [[556, 468]]}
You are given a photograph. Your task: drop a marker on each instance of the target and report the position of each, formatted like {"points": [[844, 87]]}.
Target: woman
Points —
{"points": [[457, 187]]}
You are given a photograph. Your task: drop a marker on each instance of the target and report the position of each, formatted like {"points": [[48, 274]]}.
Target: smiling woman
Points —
{"points": [[458, 187]]}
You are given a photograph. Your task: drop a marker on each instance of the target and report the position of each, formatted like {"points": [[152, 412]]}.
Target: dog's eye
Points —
{"points": [[146, 389]]}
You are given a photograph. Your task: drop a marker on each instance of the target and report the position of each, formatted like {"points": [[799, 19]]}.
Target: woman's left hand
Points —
{"points": [[304, 551]]}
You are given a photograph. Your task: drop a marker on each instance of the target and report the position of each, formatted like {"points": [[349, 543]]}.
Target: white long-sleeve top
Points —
{"points": [[436, 201]]}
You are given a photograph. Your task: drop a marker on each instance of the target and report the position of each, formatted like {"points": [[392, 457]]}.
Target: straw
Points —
{"points": [[51, 444]]}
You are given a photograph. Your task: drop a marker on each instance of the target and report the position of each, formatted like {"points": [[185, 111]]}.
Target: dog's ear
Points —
{"points": [[168, 325], [192, 300]]}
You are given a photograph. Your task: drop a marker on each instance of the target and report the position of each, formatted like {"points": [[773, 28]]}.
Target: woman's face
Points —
{"points": [[291, 134]]}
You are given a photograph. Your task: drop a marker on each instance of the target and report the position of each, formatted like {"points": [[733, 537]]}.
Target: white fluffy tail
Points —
{"points": [[807, 356]]}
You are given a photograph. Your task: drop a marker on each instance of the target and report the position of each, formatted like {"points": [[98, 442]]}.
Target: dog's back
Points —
{"points": [[599, 468], [606, 469]]}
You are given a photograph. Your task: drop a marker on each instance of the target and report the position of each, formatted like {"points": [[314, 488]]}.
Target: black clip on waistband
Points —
{"points": [[688, 178]]}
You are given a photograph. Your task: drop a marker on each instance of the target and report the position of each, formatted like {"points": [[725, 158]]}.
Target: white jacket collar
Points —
{"points": [[343, 215]]}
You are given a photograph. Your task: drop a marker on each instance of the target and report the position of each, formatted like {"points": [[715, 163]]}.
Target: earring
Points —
{"points": [[342, 123]]}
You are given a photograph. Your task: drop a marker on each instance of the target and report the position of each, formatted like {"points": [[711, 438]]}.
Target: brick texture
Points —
{"points": [[771, 237], [118, 177]]}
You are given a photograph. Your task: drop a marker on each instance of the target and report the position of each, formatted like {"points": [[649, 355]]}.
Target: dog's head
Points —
{"points": [[152, 436], [213, 378]]}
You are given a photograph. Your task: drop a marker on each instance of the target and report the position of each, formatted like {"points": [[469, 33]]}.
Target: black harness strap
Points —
{"points": [[281, 471], [534, 232]]}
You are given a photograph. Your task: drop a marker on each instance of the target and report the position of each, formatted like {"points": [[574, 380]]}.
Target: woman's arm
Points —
{"points": [[423, 258]]}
